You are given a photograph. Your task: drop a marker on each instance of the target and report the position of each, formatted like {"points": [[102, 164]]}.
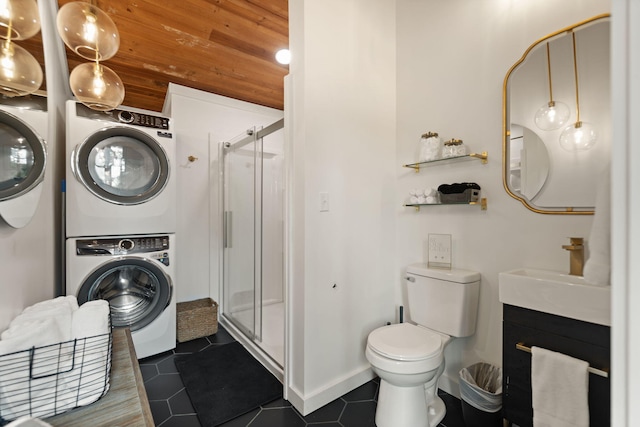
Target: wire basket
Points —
{"points": [[45, 381]]}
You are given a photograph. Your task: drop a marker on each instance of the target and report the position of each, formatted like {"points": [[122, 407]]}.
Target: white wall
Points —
{"points": [[625, 249], [452, 59], [201, 121], [342, 130]]}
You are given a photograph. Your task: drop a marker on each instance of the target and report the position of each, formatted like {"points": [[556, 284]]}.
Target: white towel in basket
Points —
{"points": [[37, 332], [90, 326], [28, 422], [59, 310], [29, 379], [91, 319], [42, 324], [17, 388]]}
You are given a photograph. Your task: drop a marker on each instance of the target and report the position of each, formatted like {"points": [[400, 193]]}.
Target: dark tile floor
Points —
{"points": [[171, 406]]}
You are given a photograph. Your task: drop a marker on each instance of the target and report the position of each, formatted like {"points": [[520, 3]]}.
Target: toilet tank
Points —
{"points": [[443, 300]]}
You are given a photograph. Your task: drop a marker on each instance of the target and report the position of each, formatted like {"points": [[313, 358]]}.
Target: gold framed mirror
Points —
{"points": [[565, 69]]}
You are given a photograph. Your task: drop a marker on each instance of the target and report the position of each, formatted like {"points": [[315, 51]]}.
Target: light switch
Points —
{"points": [[324, 201]]}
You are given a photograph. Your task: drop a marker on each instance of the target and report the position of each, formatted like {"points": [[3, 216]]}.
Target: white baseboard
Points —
{"points": [[306, 404]]}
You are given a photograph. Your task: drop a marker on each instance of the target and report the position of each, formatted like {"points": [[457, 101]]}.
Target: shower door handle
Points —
{"points": [[227, 229]]}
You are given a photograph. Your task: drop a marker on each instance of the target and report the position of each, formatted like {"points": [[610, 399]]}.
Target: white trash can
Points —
{"points": [[481, 393]]}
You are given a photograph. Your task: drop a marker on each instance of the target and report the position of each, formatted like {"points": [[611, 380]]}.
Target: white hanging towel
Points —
{"points": [[560, 389], [597, 269]]}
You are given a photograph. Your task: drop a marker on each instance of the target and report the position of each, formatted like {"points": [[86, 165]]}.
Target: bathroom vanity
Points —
{"points": [[523, 328]]}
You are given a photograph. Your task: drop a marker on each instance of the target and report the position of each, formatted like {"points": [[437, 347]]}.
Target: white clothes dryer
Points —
{"points": [[23, 157], [135, 275], [119, 177]]}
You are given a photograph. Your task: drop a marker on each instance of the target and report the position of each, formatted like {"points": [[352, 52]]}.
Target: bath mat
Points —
{"points": [[225, 381]]}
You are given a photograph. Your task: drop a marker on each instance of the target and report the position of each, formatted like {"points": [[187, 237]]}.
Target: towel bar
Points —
{"points": [[600, 372]]}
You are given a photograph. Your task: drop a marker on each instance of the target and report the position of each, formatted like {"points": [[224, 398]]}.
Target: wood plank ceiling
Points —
{"points": [[225, 47]]}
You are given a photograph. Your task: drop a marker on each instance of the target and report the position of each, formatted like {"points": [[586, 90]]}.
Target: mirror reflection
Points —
{"points": [[568, 70], [529, 154], [23, 113]]}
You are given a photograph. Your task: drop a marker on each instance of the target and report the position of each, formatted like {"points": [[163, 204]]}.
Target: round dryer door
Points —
{"points": [[22, 157], [137, 290], [122, 165]]}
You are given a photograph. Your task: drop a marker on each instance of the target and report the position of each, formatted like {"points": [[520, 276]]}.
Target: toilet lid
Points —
{"points": [[405, 341]]}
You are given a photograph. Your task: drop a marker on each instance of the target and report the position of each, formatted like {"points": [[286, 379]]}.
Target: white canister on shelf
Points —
{"points": [[454, 148], [430, 147]]}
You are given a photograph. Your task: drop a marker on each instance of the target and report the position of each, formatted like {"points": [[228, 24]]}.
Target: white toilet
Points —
{"points": [[409, 359]]}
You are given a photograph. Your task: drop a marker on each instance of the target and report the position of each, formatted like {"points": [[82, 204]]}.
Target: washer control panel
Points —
{"points": [[123, 245]]}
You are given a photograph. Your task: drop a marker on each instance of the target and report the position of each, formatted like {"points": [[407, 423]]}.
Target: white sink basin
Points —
{"points": [[556, 293]]}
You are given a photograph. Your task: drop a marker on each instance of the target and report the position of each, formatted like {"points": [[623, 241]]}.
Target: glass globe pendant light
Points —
{"points": [[554, 114], [96, 86], [88, 31], [19, 19], [581, 135], [20, 72]]}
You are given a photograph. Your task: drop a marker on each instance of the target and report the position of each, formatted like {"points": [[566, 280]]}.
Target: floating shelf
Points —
{"points": [[482, 202], [483, 157]]}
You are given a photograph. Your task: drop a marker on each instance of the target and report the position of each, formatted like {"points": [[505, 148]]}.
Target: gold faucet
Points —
{"points": [[576, 257]]}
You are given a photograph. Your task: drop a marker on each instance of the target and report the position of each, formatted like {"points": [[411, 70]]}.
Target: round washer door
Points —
{"points": [[137, 290], [22, 157], [122, 165]]}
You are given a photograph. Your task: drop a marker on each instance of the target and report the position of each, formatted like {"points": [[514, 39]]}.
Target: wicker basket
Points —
{"points": [[196, 319]]}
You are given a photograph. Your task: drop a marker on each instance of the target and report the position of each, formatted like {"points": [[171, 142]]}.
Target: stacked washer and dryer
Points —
{"points": [[121, 219]]}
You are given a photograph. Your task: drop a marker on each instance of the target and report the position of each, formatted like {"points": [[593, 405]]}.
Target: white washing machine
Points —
{"points": [[23, 157], [133, 273], [119, 177]]}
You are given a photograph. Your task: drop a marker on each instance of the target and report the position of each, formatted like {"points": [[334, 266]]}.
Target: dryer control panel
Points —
{"points": [[124, 117], [138, 119], [122, 245]]}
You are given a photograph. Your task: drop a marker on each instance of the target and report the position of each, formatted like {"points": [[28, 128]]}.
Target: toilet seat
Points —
{"points": [[405, 342]]}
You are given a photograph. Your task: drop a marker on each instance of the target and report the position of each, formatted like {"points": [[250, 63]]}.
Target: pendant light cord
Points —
{"points": [[9, 30], [6, 45], [575, 71], [551, 103]]}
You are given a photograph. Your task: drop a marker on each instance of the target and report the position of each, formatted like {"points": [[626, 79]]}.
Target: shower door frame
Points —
{"points": [[248, 336]]}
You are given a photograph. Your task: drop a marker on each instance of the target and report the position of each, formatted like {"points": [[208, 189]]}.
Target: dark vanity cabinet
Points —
{"points": [[526, 328]]}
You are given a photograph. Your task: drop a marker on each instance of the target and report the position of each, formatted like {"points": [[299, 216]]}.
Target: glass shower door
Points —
{"points": [[242, 293]]}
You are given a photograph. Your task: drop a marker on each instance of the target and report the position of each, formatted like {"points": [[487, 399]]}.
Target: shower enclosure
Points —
{"points": [[253, 238]]}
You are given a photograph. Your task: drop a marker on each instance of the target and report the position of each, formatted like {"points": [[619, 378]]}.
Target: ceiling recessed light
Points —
{"points": [[283, 56]]}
